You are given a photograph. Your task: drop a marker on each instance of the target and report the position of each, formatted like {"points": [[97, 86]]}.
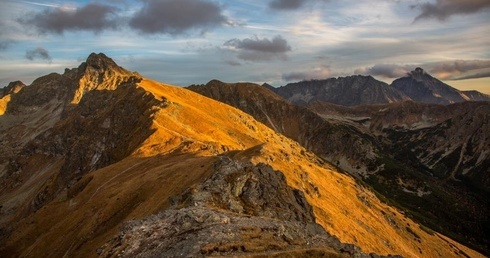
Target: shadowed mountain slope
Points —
{"points": [[103, 146]]}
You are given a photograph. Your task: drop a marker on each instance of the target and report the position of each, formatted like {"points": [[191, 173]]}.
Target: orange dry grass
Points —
{"points": [[351, 212]]}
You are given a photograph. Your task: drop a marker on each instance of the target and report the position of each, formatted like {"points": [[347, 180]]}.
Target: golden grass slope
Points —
{"points": [[189, 135]]}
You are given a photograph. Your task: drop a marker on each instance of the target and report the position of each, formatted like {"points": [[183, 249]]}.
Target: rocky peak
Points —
{"points": [[102, 63], [214, 82], [100, 72], [13, 87], [422, 87], [417, 74], [268, 86]]}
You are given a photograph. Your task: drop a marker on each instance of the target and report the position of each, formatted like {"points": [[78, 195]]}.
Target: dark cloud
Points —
{"points": [[92, 17], [256, 49], [38, 53], [177, 16], [443, 9], [385, 70], [323, 72], [290, 5], [286, 4]]}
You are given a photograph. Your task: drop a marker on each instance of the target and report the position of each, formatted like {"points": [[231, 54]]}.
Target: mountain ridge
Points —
{"points": [[348, 91], [102, 148], [357, 90]]}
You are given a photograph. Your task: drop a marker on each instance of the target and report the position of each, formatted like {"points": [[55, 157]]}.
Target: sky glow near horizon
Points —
{"points": [[185, 42]]}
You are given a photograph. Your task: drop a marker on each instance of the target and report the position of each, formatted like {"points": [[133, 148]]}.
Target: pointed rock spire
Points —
{"points": [[102, 63], [100, 72]]}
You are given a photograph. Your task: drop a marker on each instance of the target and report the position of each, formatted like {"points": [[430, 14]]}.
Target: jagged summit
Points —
{"points": [[102, 63], [348, 91]]}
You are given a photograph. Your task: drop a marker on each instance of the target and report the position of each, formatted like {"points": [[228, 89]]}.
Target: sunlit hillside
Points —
{"points": [[187, 134]]}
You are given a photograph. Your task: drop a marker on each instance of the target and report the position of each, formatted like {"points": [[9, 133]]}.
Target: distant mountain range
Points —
{"points": [[365, 90], [102, 162]]}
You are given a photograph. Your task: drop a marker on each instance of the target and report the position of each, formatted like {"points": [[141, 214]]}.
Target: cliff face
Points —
{"points": [[105, 161]]}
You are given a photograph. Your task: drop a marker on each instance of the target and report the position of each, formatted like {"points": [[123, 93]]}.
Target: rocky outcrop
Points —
{"points": [[347, 91], [242, 209]]}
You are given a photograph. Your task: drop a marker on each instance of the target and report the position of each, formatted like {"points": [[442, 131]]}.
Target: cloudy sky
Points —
{"points": [[185, 42]]}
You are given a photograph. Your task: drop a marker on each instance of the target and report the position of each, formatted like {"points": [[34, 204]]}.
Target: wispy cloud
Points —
{"points": [[317, 73], [286, 4], [385, 70], [46, 4], [473, 76]]}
